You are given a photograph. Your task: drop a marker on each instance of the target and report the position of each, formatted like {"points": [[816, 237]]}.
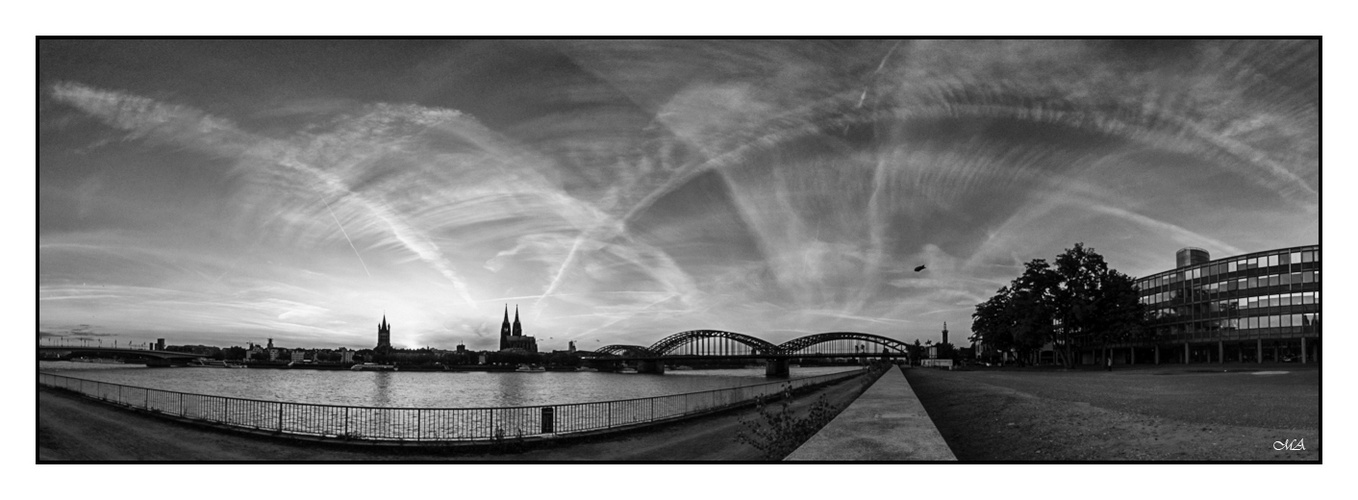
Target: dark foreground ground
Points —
{"points": [[71, 427], [1151, 413]]}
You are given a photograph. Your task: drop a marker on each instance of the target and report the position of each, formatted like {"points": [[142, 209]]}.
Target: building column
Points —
{"points": [[1132, 356], [1259, 350], [1186, 352], [1157, 354], [1303, 350], [1221, 352]]}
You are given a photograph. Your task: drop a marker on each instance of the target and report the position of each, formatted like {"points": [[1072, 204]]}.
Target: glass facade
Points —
{"points": [[1271, 295]]}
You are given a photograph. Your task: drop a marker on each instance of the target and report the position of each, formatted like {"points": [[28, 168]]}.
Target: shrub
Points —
{"points": [[777, 431]]}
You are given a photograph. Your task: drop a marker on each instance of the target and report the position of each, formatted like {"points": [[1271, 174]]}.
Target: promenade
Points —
{"points": [[72, 427], [886, 423]]}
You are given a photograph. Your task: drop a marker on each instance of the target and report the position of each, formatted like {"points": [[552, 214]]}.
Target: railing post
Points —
{"points": [[419, 425], [280, 417], [181, 404], [346, 422]]}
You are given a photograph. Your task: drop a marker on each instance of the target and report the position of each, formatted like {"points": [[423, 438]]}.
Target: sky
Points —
{"points": [[619, 191]]}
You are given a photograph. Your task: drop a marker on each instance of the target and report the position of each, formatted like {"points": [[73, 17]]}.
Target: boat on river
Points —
{"points": [[530, 368], [373, 367]]}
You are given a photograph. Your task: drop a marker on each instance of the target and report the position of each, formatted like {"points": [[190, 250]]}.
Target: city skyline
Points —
{"points": [[223, 192]]}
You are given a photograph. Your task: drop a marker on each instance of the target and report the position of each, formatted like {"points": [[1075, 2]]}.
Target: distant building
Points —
{"points": [[160, 344], [383, 336], [297, 355], [512, 337]]}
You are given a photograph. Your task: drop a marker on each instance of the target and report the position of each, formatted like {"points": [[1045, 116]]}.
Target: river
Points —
{"points": [[420, 389]]}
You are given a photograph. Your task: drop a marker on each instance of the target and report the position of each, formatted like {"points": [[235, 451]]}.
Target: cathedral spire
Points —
{"points": [[518, 329]]}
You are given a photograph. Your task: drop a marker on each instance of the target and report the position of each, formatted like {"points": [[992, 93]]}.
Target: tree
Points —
{"points": [[1096, 305], [1080, 301]]}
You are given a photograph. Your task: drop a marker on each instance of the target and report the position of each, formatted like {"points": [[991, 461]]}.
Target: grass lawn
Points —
{"points": [[1169, 412]]}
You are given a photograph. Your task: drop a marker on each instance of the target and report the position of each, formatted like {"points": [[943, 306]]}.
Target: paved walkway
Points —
{"points": [[886, 423]]}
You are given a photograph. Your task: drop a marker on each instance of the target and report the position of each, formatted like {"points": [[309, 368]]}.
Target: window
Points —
{"points": [[1254, 263], [1272, 260], [1253, 302], [1296, 278], [1308, 298], [1242, 303], [1252, 283], [1285, 299], [1230, 285], [1274, 322], [1308, 277], [1273, 280], [1293, 258], [1296, 320], [1230, 267], [1284, 279], [1285, 320], [1274, 300]]}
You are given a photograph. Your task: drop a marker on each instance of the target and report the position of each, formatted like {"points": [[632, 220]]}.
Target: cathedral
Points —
{"points": [[512, 337]]}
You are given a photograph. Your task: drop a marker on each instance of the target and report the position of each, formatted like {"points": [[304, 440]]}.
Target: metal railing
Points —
{"points": [[432, 425]]}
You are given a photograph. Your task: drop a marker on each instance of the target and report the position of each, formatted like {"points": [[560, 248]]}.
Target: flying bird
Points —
{"points": [[919, 268]]}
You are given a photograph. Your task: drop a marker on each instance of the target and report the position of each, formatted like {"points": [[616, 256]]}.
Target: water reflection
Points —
{"points": [[381, 388]]}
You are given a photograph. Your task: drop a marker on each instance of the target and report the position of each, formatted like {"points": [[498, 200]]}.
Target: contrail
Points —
{"points": [[346, 237]]}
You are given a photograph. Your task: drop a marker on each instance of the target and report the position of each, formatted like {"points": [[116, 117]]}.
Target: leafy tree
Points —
{"points": [[1079, 302]]}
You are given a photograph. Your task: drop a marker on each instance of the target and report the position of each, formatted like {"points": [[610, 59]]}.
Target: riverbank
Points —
{"points": [[1144, 413], [73, 428]]}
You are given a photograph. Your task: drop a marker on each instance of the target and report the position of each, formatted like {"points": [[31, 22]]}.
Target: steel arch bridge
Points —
{"points": [[625, 350], [801, 343], [718, 343], [673, 343]]}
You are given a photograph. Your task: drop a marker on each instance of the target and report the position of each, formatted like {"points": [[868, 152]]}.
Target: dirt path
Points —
{"points": [[1149, 415], [71, 427]]}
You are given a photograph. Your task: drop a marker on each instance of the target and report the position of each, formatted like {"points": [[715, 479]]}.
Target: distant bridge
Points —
{"points": [[150, 357], [718, 344]]}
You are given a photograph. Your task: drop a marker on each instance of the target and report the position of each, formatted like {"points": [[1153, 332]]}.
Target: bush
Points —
{"points": [[777, 431]]}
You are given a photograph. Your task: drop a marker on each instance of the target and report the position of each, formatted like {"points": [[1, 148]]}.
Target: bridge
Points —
{"points": [[150, 357], [723, 345]]}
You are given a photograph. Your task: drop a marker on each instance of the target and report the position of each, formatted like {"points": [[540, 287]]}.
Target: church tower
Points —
{"points": [[945, 333], [383, 335], [518, 329], [504, 329]]}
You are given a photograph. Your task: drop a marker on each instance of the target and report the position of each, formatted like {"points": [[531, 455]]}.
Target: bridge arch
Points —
{"points": [[625, 350], [672, 342], [801, 343]]}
